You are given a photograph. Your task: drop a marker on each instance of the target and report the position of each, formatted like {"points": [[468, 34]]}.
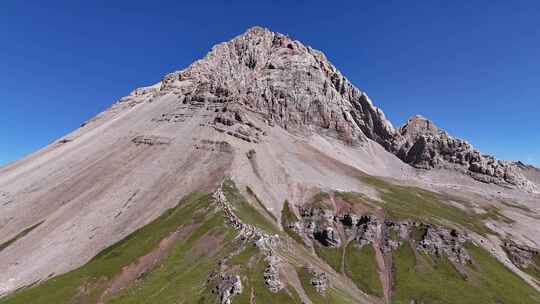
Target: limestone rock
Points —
{"points": [[439, 241], [369, 229], [271, 274], [422, 144], [319, 280], [227, 287]]}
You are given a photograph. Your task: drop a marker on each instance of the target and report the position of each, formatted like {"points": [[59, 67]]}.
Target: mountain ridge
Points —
{"points": [[317, 93]]}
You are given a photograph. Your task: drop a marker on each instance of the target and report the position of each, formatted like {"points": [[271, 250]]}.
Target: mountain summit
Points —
{"points": [[260, 174], [297, 88]]}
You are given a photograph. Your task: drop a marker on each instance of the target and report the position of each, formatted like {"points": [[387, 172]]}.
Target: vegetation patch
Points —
{"points": [[245, 211], [332, 256], [534, 268], [516, 206], [182, 274], [488, 281], [288, 217], [361, 267], [254, 285], [330, 296], [404, 202], [357, 198], [321, 200], [493, 213]]}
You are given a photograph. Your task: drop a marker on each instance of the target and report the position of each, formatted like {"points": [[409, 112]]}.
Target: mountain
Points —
{"points": [[260, 174]]}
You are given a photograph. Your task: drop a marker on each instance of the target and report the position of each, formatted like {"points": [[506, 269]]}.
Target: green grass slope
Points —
{"points": [[361, 267], [426, 279], [181, 275], [331, 296]]}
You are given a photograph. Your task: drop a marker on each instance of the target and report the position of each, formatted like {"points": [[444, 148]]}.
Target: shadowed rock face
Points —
{"points": [[423, 145]]}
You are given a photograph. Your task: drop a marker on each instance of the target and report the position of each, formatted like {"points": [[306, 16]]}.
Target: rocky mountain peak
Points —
{"points": [[295, 87], [418, 126], [290, 84]]}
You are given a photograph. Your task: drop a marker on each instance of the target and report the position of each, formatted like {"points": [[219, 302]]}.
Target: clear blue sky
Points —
{"points": [[472, 67]]}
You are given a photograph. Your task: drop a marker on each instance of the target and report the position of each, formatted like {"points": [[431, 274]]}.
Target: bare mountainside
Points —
{"points": [[260, 174]]}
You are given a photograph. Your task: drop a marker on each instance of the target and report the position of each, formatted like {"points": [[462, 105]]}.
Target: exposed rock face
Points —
{"points": [[439, 241], [271, 274], [322, 225], [228, 286], [317, 224], [520, 255], [291, 85], [422, 144], [5, 198], [319, 281], [368, 230]]}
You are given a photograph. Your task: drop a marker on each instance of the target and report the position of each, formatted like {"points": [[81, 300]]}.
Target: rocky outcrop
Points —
{"points": [[213, 145], [327, 236], [521, 255], [317, 224], [227, 287], [5, 198], [266, 243], [368, 229], [271, 274], [319, 280], [422, 144], [441, 241], [151, 140], [322, 225]]}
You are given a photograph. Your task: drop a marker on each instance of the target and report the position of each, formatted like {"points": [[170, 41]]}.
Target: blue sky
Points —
{"points": [[470, 66]]}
